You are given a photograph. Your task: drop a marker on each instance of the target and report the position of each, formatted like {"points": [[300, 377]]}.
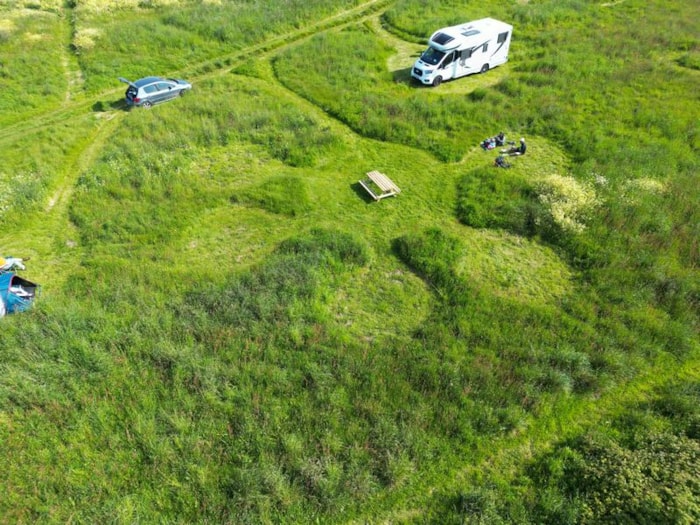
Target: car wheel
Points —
{"points": [[484, 68], [147, 104], [181, 93], [437, 81]]}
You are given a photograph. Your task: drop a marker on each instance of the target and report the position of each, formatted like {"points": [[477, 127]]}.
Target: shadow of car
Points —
{"points": [[149, 91]]}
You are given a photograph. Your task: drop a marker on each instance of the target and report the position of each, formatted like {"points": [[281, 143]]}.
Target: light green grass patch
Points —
{"points": [[400, 63], [543, 158], [381, 301], [98, 6], [34, 5], [512, 266]]}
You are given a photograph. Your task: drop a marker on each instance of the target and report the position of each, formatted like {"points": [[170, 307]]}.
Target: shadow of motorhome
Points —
{"points": [[403, 76]]}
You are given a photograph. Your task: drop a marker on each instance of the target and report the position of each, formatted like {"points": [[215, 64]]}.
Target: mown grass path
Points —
{"points": [[46, 234], [75, 106], [73, 73]]}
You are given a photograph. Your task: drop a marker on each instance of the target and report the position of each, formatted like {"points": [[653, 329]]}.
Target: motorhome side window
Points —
{"points": [[502, 37], [466, 53]]}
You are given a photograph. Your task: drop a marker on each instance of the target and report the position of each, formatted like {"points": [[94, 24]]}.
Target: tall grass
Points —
{"points": [[32, 75], [138, 39], [639, 468], [34, 162], [378, 109]]}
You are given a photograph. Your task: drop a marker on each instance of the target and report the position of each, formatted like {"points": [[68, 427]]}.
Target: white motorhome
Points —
{"points": [[457, 51]]}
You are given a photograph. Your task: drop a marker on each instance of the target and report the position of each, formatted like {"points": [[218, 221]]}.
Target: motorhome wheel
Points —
{"points": [[484, 68], [437, 81]]}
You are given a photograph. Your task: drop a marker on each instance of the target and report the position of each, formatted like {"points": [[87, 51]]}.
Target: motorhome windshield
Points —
{"points": [[432, 56]]}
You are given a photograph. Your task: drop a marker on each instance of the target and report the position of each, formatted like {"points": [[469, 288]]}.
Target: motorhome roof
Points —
{"points": [[455, 36]]}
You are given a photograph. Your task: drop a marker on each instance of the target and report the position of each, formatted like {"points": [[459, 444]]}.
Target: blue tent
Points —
{"points": [[16, 294]]}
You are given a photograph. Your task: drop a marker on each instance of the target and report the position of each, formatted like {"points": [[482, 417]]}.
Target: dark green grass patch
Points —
{"points": [[258, 115], [641, 469], [492, 198]]}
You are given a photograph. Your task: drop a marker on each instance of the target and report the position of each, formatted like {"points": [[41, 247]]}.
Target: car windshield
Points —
{"points": [[432, 56]]}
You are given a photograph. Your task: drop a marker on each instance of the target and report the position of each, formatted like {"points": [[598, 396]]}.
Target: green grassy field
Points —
{"points": [[231, 331]]}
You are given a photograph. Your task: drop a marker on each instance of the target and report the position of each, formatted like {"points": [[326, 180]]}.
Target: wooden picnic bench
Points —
{"points": [[385, 185]]}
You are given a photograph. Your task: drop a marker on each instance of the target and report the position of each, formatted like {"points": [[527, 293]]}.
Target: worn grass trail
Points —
{"points": [[47, 235]]}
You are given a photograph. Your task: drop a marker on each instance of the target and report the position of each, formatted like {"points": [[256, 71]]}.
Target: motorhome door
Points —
{"points": [[448, 66]]}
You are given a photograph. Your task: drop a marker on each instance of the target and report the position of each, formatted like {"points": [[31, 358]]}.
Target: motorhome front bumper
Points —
{"points": [[424, 76]]}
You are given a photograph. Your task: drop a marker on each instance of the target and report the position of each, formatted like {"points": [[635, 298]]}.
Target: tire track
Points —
{"points": [[202, 71], [71, 66], [43, 230], [53, 238]]}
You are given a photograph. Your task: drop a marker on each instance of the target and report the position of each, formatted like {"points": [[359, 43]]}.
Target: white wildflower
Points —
{"points": [[633, 189], [600, 180], [569, 201], [647, 185]]}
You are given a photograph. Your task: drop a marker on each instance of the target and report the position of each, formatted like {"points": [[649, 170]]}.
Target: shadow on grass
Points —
{"points": [[101, 106], [361, 192], [403, 76]]}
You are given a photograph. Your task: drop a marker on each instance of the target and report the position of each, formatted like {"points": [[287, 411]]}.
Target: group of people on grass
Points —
{"points": [[500, 141]]}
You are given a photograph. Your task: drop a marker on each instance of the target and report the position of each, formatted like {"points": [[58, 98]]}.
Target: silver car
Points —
{"points": [[148, 91]]}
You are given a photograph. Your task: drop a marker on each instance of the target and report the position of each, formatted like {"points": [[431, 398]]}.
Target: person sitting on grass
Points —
{"points": [[494, 142], [489, 143], [520, 150]]}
